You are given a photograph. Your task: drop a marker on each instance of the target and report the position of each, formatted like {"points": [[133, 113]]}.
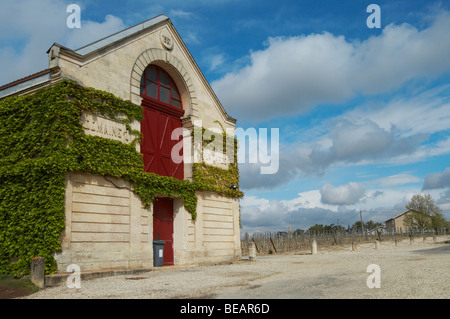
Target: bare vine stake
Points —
{"points": [[273, 244]]}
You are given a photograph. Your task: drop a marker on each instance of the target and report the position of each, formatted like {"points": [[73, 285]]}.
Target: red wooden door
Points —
{"points": [[163, 226], [163, 110], [157, 126]]}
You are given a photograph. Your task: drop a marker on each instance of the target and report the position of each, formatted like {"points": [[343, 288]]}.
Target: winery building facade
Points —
{"points": [[107, 224]]}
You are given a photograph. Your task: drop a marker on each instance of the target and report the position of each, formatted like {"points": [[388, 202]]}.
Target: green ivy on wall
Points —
{"points": [[213, 178], [42, 139]]}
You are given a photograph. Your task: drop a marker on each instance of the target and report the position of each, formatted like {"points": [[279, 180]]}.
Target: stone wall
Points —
{"points": [[215, 235], [108, 228], [106, 225]]}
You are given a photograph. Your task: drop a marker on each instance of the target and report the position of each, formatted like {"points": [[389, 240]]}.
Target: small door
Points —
{"points": [[163, 226]]}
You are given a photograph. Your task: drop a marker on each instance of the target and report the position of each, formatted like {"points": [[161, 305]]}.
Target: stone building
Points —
{"points": [[106, 223], [398, 223]]}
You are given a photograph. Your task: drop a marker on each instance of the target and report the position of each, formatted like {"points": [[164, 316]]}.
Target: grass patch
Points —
{"points": [[11, 287]]}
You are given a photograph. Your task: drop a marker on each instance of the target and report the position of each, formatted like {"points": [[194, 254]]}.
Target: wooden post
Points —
{"points": [[377, 244], [38, 271], [362, 223], [246, 239], [273, 244]]}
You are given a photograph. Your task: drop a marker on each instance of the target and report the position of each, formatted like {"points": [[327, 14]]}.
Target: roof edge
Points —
{"points": [[29, 82], [101, 43]]}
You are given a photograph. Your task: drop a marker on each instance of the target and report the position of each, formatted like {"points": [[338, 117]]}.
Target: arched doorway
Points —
{"points": [[163, 109]]}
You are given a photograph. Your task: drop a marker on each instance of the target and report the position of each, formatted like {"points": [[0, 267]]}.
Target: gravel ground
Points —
{"points": [[407, 271]]}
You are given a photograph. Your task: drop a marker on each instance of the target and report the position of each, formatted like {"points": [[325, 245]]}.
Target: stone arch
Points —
{"points": [[173, 66]]}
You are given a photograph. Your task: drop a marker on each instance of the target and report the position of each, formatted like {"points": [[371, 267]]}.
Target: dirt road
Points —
{"points": [[405, 271]]}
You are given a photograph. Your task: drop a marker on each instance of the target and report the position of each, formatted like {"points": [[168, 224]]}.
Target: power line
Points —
{"points": [[346, 220]]}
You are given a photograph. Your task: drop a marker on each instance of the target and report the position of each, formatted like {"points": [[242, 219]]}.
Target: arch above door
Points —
{"points": [[171, 65]]}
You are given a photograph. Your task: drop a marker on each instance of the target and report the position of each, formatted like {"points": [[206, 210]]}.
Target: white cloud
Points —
{"points": [[306, 209], [402, 53], [294, 74], [215, 61], [191, 37], [28, 28], [437, 180], [249, 201], [348, 194], [258, 215], [91, 31], [289, 76], [406, 129], [396, 180], [307, 200], [173, 13], [353, 142], [423, 112], [345, 143]]}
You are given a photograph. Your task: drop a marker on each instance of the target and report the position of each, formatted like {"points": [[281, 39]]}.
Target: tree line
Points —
{"points": [[424, 215]]}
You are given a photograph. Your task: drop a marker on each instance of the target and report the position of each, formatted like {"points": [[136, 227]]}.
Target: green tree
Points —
{"points": [[371, 225], [425, 214], [338, 228], [317, 228], [367, 226], [328, 228], [298, 232]]}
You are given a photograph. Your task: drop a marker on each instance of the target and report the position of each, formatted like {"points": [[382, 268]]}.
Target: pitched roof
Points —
{"points": [[85, 52], [45, 75], [25, 83], [31, 76], [400, 215], [120, 35]]}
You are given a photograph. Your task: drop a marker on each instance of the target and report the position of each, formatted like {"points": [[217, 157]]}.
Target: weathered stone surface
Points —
{"points": [[108, 228], [106, 225], [38, 271]]}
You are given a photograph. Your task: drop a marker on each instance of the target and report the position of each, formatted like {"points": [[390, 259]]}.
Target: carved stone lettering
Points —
{"points": [[103, 127]]}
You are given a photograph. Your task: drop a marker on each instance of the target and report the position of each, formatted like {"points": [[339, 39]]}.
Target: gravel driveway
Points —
{"points": [[406, 271]]}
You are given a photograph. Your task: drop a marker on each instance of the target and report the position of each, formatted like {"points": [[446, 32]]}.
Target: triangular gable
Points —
{"points": [[116, 63]]}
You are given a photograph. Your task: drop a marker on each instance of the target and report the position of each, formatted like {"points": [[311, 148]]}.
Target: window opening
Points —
{"points": [[158, 85]]}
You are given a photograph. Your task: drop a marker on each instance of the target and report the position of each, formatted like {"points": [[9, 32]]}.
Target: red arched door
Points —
{"points": [[162, 115]]}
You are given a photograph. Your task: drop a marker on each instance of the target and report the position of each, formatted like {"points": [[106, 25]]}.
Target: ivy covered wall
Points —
{"points": [[42, 139]]}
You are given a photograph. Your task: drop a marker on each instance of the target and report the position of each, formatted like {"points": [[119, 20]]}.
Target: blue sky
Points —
{"points": [[363, 114]]}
